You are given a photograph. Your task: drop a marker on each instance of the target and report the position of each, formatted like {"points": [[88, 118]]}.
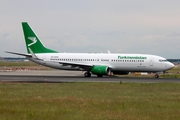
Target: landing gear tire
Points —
{"points": [[87, 74], [99, 75], [156, 76]]}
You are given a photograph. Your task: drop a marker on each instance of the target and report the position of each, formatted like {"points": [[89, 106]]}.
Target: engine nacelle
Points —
{"points": [[100, 70]]}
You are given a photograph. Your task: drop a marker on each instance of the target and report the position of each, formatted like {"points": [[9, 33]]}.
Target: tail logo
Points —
{"points": [[33, 39]]}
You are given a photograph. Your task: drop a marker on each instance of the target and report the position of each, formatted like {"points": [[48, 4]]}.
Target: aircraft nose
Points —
{"points": [[170, 65]]}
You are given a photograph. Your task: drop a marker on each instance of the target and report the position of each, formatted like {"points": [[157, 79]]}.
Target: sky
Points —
{"points": [[93, 26]]}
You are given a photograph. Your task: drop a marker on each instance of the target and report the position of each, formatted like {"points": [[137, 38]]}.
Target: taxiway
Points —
{"points": [[59, 76]]}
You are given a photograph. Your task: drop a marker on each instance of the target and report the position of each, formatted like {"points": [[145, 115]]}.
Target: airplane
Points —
{"points": [[99, 64]]}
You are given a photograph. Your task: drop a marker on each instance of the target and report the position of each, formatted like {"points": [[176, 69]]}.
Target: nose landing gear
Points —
{"points": [[156, 76]]}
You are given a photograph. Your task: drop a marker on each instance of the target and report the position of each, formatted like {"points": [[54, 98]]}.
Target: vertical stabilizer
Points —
{"points": [[33, 42]]}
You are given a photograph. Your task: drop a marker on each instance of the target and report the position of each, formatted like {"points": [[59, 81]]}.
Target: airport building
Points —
{"points": [[175, 61]]}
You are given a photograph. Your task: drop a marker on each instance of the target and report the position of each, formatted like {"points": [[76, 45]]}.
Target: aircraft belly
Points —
{"points": [[135, 68]]}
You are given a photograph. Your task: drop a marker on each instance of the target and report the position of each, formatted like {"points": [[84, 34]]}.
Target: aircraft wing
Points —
{"points": [[22, 54], [83, 66]]}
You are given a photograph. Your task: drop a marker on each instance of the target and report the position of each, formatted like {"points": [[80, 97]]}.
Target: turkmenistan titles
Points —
{"points": [[132, 57]]}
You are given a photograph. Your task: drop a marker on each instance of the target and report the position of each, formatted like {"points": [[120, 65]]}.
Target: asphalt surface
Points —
{"points": [[70, 76]]}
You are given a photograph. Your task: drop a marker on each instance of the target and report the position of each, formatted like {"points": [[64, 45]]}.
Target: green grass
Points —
{"points": [[173, 73], [90, 101], [175, 70], [170, 76]]}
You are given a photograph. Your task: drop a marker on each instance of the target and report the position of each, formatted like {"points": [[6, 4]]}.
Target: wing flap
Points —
{"points": [[84, 66]]}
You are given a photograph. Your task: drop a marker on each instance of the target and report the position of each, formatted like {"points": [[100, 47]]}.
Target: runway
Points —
{"points": [[73, 76]]}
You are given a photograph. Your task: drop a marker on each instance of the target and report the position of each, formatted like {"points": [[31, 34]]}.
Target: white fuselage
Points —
{"points": [[117, 62]]}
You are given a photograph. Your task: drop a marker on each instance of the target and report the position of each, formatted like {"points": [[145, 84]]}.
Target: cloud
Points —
{"points": [[84, 26]]}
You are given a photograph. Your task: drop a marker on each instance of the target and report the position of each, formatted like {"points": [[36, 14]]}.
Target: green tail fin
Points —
{"points": [[33, 42]]}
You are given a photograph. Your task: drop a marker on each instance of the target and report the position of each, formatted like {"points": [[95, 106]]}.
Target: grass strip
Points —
{"points": [[90, 101]]}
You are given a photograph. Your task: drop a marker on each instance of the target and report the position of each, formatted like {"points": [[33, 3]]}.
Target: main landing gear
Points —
{"points": [[100, 75], [156, 76], [87, 74]]}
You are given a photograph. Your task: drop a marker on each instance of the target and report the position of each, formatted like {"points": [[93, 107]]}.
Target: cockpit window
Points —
{"points": [[162, 60]]}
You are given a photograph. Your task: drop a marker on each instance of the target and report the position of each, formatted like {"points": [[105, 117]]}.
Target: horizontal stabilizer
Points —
{"points": [[22, 54]]}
